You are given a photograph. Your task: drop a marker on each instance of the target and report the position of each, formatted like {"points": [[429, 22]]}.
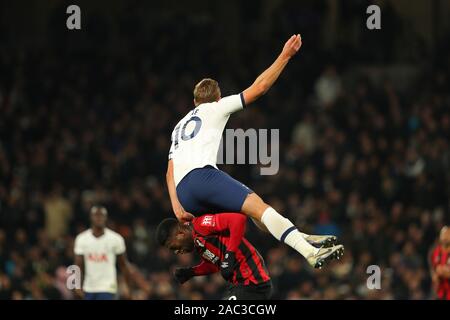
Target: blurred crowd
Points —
{"points": [[87, 119]]}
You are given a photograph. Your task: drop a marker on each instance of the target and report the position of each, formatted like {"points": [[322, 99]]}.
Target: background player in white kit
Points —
{"points": [[96, 252], [196, 185]]}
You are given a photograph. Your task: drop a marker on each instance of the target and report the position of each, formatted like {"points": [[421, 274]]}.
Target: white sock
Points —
{"points": [[285, 231]]}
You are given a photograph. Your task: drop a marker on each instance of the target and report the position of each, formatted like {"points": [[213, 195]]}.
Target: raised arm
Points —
{"points": [[266, 79], [177, 208]]}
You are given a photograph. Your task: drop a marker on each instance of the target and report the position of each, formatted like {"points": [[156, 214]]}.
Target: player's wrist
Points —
{"points": [[284, 56]]}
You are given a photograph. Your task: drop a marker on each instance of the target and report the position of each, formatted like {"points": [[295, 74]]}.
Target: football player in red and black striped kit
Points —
{"points": [[220, 242], [440, 265]]}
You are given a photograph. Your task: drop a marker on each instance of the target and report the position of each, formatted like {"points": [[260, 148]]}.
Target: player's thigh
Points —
{"points": [[227, 193], [211, 190], [218, 191]]}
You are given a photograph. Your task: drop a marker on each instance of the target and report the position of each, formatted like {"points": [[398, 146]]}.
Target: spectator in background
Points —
{"points": [[58, 212], [328, 87]]}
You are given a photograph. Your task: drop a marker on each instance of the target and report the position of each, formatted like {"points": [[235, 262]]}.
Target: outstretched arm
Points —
{"points": [[265, 81], [177, 208], [204, 268]]}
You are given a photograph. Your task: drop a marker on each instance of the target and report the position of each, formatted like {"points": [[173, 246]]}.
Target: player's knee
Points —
{"points": [[254, 206]]}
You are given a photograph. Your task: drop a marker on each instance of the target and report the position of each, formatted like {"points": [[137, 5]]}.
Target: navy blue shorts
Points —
{"points": [[209, 190], [99, 296]]}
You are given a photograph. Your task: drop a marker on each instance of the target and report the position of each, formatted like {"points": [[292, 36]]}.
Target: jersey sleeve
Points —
{"points": [[231, 104], [205, 267], [232, 223], [235, 224], [205, 225], [78, 247], [119, 247]]}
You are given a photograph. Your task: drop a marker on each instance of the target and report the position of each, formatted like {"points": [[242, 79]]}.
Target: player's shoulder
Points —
{"points": [[233, 99], [113, 234], [84, 234], [206, 220]]}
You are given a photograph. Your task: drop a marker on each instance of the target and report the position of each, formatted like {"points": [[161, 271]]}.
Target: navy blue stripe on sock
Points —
{"points": [[286, 233]]}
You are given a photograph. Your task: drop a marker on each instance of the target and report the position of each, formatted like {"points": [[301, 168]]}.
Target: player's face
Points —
{"points": [[181, 242], [98, 219]]}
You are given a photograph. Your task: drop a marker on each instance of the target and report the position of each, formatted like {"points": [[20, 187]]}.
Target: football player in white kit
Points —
{"points": [[96, 252], [196, 185]]}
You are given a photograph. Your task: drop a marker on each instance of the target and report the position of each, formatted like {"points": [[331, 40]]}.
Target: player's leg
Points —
{"points": [[216, 191], [285, 231], [316, 240], [280, 227], [260, 225], [213, 187], [189, 189]]}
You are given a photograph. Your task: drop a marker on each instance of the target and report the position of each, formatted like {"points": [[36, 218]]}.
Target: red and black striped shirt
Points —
{"points": [[218, 233], [441, 257]]}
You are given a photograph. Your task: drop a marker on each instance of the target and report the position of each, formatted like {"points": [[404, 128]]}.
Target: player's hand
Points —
{"points": [[183, 274], [292, 46], [227, 265], [186, 217], [182, 215]]}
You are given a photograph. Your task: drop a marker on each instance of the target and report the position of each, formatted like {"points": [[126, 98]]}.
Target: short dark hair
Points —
{"points": [[165, 230]]}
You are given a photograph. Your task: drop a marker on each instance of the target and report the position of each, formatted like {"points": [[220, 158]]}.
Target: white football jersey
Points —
{"points": [[196, 138], [99, 259]]}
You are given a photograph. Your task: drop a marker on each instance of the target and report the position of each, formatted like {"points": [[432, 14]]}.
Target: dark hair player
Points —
{"points": [[220, 242]]}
